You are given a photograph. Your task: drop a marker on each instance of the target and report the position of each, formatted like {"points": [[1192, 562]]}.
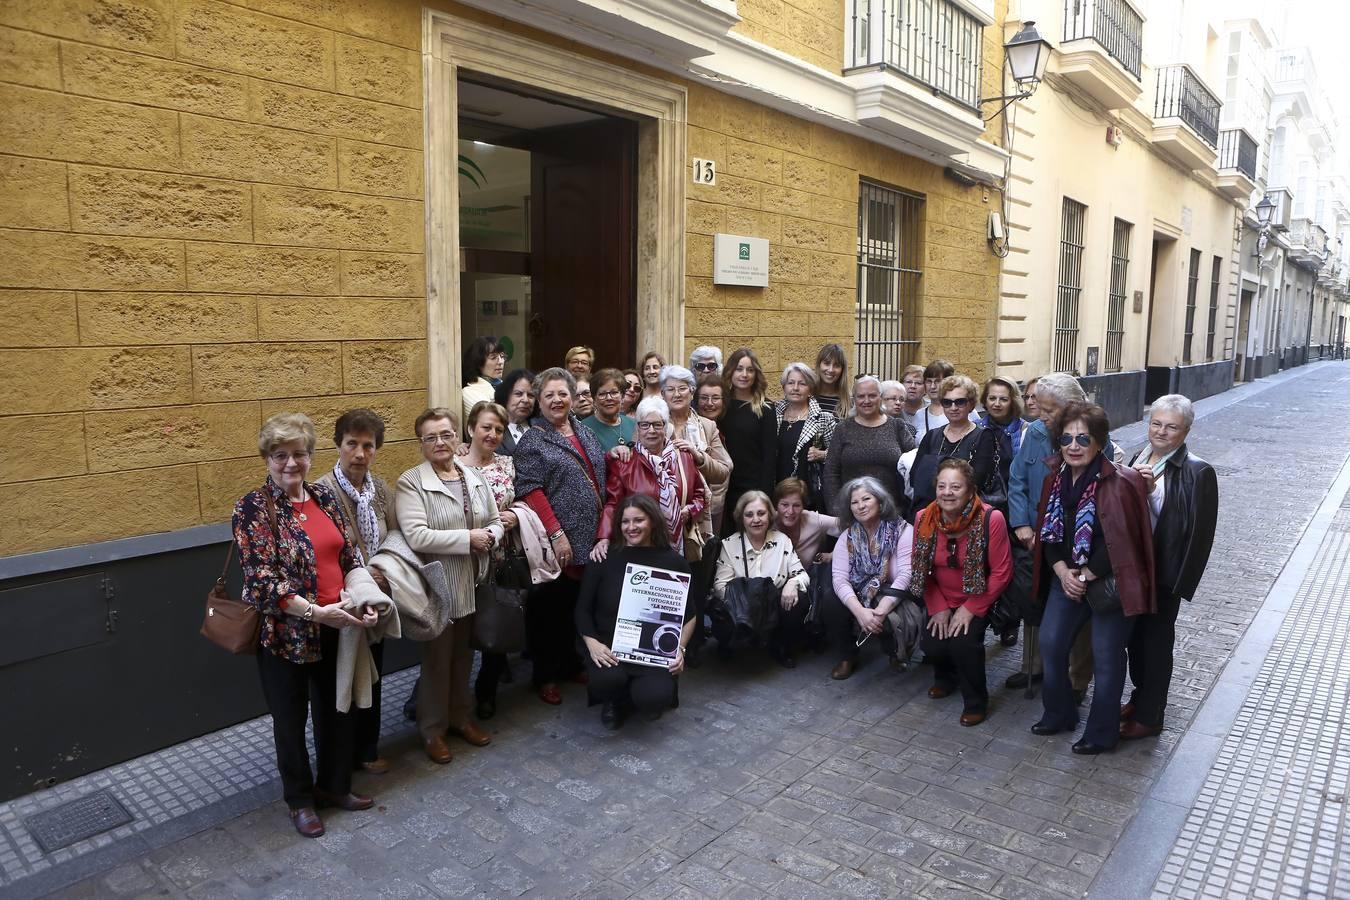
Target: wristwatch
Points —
{"points": [[308, 614]]}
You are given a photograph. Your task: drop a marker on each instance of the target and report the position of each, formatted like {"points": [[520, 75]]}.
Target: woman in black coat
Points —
{"points": [[638, 537], [749, 430]]}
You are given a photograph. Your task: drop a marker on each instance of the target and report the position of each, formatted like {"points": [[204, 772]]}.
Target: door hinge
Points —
{"points": [[109, 594]]}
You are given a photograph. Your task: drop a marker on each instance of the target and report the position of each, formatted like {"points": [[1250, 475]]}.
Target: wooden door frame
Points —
{"points": [[450, 43]]}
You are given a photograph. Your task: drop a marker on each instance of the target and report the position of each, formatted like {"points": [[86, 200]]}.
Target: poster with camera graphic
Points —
{"points": [[651, 614]]}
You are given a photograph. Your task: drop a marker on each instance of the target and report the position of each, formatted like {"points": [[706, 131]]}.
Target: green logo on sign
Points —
{"points": [[745, 251]]}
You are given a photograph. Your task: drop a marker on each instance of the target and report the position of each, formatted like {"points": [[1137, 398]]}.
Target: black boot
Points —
{"points": [[610, 716]]}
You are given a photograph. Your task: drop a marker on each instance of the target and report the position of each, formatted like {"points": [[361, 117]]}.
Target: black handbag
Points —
{"points": [[512, 569], [1103, 596], [748, 608], [994, 492], [499, 620], [1018, 592]]}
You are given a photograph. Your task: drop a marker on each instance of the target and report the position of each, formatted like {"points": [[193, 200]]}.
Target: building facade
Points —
{"points": [[216, 211]]}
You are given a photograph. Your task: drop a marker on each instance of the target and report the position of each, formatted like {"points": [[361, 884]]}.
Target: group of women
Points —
{"points": [[846, 514]]}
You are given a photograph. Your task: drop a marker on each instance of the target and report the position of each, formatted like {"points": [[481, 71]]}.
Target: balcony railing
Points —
{"points": [[1111, 23], [1181, 95], [1237, 150], [934, 42], [1307, 234]]}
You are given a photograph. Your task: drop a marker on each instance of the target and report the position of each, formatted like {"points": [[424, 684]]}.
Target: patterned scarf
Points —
{"points": [[1052, 531], [868, 567], [670, 492], [367, 523], [974, 523]]}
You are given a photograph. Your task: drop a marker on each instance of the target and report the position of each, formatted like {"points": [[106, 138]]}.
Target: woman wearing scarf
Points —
{"points": [[962, 561], [1003, 410], [1093, 527], [661, 470], [804, 432], [871, 567], [368, 506]]}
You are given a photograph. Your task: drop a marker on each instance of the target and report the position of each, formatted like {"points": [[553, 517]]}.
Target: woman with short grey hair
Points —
{"points": [[871, 568], [867, 443], [1184, 507], [804, 431]]}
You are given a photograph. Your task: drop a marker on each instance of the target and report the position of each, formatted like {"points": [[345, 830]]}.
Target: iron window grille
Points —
{"points": [[933, 42], [1111, 23], [1072, 218], [1213, 307], [1192, 285], [890, 248], [1115, 302]]}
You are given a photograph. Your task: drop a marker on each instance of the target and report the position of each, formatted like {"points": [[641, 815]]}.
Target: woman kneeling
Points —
{"points": [[638, 537], [962, 562]]}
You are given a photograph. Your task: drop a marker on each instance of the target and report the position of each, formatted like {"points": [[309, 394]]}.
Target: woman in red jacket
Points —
{"points": [[662, 471], [1093, 563], [962, 561]]}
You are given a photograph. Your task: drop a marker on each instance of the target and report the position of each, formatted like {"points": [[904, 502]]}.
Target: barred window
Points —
{"points": [[1115, 301], [1213, 307], [1072, 217], [889, 268], [1192, 286]]}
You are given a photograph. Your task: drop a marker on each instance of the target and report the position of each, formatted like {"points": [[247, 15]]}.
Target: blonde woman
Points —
{"points": [[749, 430]]}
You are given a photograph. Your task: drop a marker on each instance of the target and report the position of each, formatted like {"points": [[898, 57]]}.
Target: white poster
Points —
{"points": [[651, 615]]}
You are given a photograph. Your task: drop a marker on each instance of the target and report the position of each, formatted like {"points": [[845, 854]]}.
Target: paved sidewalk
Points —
{"points": [[780, 783]]}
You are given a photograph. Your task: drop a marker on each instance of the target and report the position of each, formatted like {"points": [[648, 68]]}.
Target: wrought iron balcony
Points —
{"points": [[1237, 150], [1111, 23], [933, 42], [1181, 95]]}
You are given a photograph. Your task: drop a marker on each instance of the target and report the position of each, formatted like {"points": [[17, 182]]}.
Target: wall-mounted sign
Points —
{"points": [[740, 260], [705, 171], [1093, 354]]}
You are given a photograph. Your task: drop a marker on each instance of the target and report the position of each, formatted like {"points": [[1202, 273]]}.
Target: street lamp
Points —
{"points": [[1265, 210], [1028, 54]]}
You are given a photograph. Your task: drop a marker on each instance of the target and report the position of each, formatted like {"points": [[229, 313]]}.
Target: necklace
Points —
{"points": [[300, 510]]}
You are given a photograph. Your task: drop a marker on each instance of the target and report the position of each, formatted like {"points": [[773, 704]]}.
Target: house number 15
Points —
{"points": [[705, 171]]}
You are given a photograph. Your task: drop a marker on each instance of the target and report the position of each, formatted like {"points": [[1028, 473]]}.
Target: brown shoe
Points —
{"points": [[843, 670], [349, 801], [376, 766], [1127, 712], [938, 691], [472, 734], [437, 750], [1133, 731], [972, 718], [307, 822]]}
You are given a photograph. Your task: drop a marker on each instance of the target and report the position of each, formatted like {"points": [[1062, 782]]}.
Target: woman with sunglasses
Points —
{"points": [[962, 561], [985, 449], [632, 391], [1093, 564]]}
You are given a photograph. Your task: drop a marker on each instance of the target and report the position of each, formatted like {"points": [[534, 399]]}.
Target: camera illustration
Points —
{"points": [[660, 637]]}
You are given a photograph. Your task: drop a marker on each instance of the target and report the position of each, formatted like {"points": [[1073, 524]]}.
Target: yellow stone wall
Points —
{"points": [[211, 212], [796, 184], [208, 214]]}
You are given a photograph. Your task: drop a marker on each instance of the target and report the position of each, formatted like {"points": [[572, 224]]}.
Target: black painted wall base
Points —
{"points": [[1121, 394], [104, 663], [1195, 382]]}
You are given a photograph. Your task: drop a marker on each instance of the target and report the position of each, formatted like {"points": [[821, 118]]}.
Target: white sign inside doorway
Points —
{"points": [[740, 260]]}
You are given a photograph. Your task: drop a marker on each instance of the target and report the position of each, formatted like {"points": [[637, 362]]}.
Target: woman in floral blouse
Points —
{"points": [[295, 554], [487, 425]]}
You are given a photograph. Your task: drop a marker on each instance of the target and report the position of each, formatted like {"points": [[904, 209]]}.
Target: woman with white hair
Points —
{"points": [[697, 435], [871, 573], [804, 431], [662, 471], [1184, 506], [867, 443], [706, 360]]}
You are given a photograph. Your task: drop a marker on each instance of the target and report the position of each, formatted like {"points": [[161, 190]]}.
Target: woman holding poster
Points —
{"points": [[638, 540]]}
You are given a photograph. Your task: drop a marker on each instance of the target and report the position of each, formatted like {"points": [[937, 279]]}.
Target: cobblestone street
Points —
{"points": [[783, 783]]}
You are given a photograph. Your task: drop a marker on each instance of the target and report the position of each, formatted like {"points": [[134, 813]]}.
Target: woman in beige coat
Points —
{"points": [[447, 513]]}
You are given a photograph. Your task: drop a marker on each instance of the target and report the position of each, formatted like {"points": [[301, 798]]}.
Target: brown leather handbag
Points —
{"points": [[232, 624]]}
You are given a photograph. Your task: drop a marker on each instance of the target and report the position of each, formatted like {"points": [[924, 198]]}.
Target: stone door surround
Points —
{"points": [[449, 44]]}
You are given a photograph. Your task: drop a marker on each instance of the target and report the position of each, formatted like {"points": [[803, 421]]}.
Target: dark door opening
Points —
{"points": [[547, 226]]}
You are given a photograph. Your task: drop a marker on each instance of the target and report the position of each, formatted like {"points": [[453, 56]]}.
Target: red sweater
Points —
{"points": [[943, 590]]}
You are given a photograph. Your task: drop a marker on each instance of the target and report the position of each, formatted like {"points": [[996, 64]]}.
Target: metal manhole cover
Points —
{"points": [[76, 821]]}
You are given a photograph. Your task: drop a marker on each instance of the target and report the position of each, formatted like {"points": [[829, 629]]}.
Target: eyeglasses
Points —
{"points": [[1166, 429], [705, 367], [281, 457], [679, 390], [609, 395], [650, 426], [949, 402], [1083, 440], [585, 393], [952, 561], [500, 354], [444, 437]]}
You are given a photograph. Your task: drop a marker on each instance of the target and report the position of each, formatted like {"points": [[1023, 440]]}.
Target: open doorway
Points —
{"points": [[1244, 325], [547, 224]]}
